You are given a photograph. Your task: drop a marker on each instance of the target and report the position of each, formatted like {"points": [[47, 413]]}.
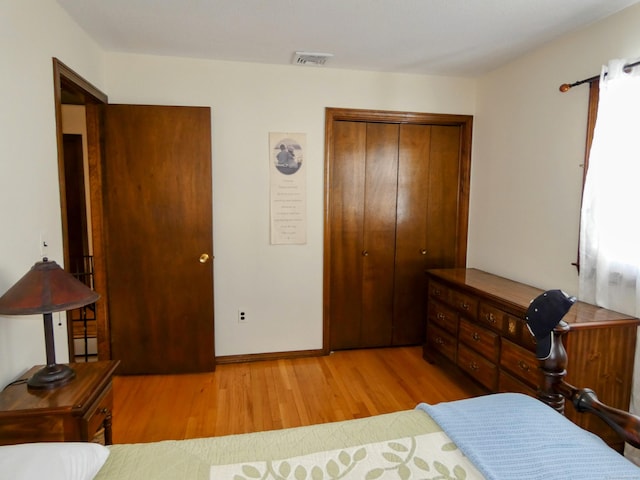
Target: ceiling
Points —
{"points": [[436, 37]]}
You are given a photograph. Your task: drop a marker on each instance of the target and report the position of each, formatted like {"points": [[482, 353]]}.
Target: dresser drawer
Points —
{"points": [[480, 339], [516, 329], [481, 369], [521, 363], [465, 304], [443, 316], [96, 414], [440, 341], [491, 316], [439, 291], [507, 383]]}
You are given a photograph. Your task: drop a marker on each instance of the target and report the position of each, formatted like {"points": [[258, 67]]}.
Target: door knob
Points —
{"points": [[204, 258]]}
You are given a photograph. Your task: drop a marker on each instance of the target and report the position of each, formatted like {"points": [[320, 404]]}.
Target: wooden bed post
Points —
{"points": [[554, 371], [555, 390]]}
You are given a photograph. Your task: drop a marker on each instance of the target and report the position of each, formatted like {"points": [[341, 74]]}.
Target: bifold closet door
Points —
{"points": [[379, 234], [347, 223], [363, 222], [426, 220]]}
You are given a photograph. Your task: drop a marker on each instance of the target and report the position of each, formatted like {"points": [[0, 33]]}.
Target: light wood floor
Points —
{"points": [[239, 398]]}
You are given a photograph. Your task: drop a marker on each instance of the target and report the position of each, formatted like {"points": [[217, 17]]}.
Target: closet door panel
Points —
{"points": [[411, 234], [444, 239], [346, 209], [378, 248]]}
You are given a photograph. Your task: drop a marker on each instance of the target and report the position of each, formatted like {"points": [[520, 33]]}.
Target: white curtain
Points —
{"points": [[610, 217]]}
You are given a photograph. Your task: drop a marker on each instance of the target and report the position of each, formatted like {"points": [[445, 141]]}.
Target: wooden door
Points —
{"points": [[158, 238], [427, 233], [347, 223], [396, 199], [364, 224], [379, 232]]}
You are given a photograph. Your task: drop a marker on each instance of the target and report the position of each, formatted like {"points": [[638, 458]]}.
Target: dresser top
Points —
{"points": [[516, 296]]}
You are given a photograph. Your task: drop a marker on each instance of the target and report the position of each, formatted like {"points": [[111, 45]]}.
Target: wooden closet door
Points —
{"points": [[379, 234], [396, 205], [427, 230], [345, 244], [363, 224], [411, 234], [448, 199]]}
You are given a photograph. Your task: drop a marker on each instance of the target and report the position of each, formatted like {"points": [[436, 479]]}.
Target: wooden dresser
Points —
{"points": [[79, 411], [475, 321]]}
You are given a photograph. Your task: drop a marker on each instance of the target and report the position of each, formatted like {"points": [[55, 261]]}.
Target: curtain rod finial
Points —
{"points": [[565, 87]]}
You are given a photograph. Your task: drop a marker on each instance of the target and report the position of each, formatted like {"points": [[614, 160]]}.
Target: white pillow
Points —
{"points": [[53, 461]]}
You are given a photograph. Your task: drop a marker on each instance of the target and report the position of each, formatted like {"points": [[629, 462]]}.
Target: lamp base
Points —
{"points": [[51, 376]]}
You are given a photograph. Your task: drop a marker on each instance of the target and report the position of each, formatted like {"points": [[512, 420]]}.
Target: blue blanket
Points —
{"points": [[510, 436]]}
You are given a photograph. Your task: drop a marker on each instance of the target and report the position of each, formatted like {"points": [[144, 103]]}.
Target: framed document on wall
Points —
{"points": [[288, 208]]}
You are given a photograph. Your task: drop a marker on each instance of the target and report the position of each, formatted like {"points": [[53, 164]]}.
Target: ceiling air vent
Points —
{"points": [[306, 58]]}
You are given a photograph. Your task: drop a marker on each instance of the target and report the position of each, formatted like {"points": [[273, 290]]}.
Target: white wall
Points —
{"points": [[279, 286], [529, 146], [31, 33]]}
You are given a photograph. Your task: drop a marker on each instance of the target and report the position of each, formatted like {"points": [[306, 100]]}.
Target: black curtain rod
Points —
{"points": [[565, 87]]}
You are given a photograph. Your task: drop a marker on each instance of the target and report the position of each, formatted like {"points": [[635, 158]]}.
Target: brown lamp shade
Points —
{"points": [[46, 288]]}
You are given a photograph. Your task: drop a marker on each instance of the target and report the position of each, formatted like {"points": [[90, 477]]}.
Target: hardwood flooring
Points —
{"points": [[267, 395]]}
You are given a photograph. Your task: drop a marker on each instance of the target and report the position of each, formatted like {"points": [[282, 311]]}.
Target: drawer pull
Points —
{"points": [[523, 366], [474, 366], [103, 411], [441, 316], [475, 336], [464, 305], [436, 292], [490, 318], [439, 341]]}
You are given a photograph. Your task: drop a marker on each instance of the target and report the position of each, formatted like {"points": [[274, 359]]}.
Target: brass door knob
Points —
{"points": [[204, 258]]}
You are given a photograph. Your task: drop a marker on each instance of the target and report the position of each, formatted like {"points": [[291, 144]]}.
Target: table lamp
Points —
{"points": [[47, 288]]}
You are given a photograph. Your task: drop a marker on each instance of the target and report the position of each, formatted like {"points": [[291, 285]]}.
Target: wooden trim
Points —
{"points": [[335, 114], [74, 82], [67, 79], [257, 357]]}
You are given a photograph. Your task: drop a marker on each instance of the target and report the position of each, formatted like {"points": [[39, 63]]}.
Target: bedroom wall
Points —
{"points": [[279, 286], [31, 33], [529, 146]]}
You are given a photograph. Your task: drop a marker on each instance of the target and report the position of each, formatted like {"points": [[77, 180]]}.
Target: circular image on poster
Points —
{"points": [[287, 156]]}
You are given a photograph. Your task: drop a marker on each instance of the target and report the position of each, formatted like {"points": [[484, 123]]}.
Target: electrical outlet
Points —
{"points": [[242, 315]]}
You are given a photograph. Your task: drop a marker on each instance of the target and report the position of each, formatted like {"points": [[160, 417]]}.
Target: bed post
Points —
{"points": [[554, 370], [555, 390]]}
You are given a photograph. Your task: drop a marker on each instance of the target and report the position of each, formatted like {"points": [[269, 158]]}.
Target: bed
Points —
{"points": [[499, 436]]}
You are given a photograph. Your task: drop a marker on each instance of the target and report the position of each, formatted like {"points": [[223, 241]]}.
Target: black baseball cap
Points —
{"points": [[544, 313]]}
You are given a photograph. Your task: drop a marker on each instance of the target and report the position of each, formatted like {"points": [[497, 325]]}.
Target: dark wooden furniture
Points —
{"points": [[556, 390], [396, 201], [77, 412], [475, 320]]}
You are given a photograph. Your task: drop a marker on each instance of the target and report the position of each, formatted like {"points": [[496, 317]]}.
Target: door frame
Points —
{"points": [[465, 122], [67, 83]]}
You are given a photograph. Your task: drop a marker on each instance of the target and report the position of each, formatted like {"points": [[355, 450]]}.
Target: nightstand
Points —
{"points": [[79, 411]]}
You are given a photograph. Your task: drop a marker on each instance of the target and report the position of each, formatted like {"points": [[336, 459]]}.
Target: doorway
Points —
{"points": [[80, 188]]}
